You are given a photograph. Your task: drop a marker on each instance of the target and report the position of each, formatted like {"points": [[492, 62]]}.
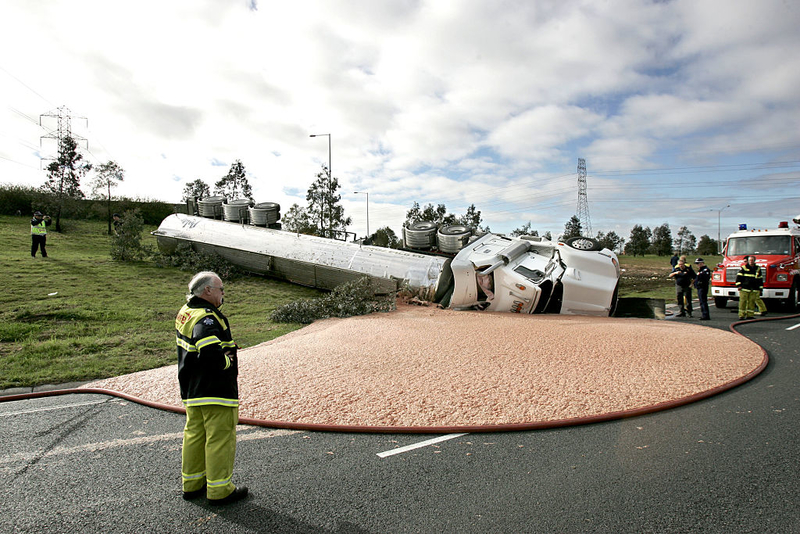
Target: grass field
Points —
{"points": [[648, 276], [79, 315]]}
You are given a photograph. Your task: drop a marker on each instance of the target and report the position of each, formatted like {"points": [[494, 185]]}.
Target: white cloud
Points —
{"points": [[446, 101]]}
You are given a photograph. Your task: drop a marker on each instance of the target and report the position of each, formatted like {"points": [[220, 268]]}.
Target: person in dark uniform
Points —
{"points": [[39, 225], [683, 275], [208, 375], [117, 223], [701, 283]]}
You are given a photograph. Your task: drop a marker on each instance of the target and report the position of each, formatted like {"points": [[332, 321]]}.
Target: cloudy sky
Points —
{"points": [[679, 108]]}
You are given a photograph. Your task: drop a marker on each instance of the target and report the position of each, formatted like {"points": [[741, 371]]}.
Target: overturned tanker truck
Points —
{"points": [[492, 272]]}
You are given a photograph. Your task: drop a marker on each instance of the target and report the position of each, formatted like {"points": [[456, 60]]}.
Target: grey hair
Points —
{"points": [[199, 283]]}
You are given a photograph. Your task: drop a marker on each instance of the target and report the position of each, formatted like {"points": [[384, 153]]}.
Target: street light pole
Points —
{"points": [[365, 193], [719, 228], [330, 174]]}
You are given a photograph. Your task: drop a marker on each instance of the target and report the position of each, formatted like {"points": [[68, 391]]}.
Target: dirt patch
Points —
{"points": [[419, 367]]}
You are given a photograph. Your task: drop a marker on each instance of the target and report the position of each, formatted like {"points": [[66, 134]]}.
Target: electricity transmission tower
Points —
{"points": [[63, 129], [583, 202]]}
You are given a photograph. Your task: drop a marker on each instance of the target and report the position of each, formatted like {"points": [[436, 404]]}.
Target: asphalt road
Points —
{"points": [[90, 463]]}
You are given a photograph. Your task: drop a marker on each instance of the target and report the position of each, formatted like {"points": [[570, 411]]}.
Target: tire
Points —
{"points": [[420, 235], [720, 302], [453, 238], [584, 243], [790, 304]]}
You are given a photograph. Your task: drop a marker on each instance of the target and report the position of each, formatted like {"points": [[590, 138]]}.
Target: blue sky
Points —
{"points": [[679, 108]]}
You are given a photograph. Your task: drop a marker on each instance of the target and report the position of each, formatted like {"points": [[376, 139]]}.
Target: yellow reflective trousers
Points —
{"points": [[209, 449], [747, 303]]}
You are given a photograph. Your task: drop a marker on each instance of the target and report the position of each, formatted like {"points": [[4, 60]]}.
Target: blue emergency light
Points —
{"points": [[743, 226]]}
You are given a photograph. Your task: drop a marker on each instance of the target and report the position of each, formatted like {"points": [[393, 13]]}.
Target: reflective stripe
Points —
{"points": [[219, 483], [227, 344], [206, 341], [184, 345], [205, 401], [227, 362], [193, 476]]}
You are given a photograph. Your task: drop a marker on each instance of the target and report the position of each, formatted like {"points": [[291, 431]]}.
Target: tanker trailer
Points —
{"points": [[494, 272]]}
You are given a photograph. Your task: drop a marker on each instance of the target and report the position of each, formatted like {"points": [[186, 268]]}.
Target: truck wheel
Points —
{"points": [[584, 243], [791, 302], [720, 302]]}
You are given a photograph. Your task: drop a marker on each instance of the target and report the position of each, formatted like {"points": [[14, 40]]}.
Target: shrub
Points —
{"points": [[356, 297], [127, 244], [186, 258]]}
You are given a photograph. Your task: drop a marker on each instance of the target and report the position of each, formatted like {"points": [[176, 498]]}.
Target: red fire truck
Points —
{"points": [[777, 252]]}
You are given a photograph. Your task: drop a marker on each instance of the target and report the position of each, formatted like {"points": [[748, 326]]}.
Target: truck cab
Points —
{"points": [[530, 274], [777, 252]]}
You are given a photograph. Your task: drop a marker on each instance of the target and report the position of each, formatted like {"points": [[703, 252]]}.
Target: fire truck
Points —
{"points": [[777, 252]]}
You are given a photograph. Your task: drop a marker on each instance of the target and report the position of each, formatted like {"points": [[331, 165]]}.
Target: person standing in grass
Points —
{"points": [[208, 375], [39, 225]]}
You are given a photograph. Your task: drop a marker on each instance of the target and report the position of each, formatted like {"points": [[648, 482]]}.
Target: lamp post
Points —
{"points": [[330, 174], [719, 227], [365, 193]]}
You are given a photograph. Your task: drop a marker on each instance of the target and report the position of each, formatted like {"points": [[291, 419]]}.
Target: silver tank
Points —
{"points": [[302, 259]]}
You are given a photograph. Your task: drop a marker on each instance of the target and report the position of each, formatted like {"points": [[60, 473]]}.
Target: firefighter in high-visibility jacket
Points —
{"points": [[749, 282], [208, 373]]}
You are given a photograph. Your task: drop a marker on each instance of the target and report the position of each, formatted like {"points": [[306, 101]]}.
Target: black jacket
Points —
{"points": [[684, 277], [703, 277], [749, 277], [207, 363]]}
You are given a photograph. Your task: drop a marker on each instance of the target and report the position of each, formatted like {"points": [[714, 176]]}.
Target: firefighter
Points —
{"points": [[701, 284], [39, 225], [683, 275], [208, 373], [749, 282]]}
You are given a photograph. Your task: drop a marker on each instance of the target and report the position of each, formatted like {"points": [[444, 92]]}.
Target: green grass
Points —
{"points": [[78, 315], [648, 276]]}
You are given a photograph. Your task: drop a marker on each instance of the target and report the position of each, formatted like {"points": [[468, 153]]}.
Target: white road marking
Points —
{"points": [[419, 445], [51, 408], [793, 327], [144, 440]]}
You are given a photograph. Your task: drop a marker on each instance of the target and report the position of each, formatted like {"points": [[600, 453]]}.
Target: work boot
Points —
{"points": [[237, 495], [196, 494]]}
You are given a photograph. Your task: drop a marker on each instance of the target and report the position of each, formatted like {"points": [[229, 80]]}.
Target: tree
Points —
{"points": [[234, 184], [108, 176], [297, 220], [707, 246], [639, 241], [571, 229], [525, 229], [611, 240], [127, 244], [662, 240], [324, 210], [64, 175], [197, 189], [385, 237], [472, 218], [685, 242]]}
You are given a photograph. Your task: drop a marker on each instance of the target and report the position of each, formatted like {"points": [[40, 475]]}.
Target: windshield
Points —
{"points": [[761, 244]]}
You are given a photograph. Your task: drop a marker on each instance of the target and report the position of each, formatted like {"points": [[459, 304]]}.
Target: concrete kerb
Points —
{"points": [[40, 389]]}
